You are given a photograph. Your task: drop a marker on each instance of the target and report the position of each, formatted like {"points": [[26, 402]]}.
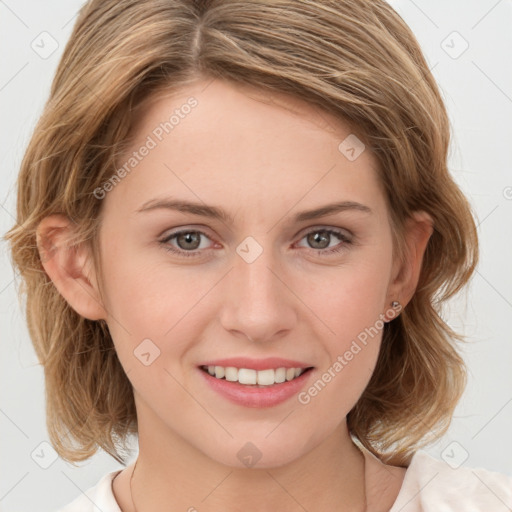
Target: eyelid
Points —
{"points": [[305, 231]]}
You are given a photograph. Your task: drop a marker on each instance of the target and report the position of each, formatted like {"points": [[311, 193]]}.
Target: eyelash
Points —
{"points": [[194, 254]]}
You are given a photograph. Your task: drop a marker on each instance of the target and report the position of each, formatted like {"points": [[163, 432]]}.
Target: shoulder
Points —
{"points": [[430, 485], [99, 497]]}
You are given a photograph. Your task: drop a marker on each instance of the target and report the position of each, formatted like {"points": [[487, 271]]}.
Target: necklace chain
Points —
{"points": [[364, 482]]}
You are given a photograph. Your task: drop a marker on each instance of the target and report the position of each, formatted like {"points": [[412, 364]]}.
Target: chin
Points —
{"points": [[258, 453]]}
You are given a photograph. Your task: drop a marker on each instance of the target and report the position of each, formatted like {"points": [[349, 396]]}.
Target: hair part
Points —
{"points": [[354, 59]]}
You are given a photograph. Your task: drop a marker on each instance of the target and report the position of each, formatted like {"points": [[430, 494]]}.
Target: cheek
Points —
{"points": [[139, 289], [144, 306], [351, 343], [351, 298], [139, 305]]}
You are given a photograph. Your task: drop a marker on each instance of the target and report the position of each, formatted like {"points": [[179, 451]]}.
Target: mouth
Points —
{"points": [[255, 378]]}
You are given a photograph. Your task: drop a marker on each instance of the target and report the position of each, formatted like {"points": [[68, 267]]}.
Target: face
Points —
{"points": [[186, 289]]}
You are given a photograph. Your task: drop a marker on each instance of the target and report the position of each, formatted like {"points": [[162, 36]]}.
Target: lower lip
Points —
{"points": [[252, 396]]}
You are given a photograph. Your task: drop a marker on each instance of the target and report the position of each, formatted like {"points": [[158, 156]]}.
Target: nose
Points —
{"points": [[258, 304]]}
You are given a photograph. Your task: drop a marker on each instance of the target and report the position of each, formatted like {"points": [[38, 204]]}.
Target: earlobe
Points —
{"points": [[419, 229], [69, 266]]}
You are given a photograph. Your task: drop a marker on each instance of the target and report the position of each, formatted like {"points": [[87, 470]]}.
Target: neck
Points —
{"points": [[173, 475]]}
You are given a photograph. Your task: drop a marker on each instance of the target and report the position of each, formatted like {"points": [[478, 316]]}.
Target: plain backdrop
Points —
{"points": [[468, 47]]}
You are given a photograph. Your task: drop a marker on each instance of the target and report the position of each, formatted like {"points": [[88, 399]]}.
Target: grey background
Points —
{"points": [[477, 87]]}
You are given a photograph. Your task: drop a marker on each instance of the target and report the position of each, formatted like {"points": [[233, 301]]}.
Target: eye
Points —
{"points": [[187, 241], [321, 237]]}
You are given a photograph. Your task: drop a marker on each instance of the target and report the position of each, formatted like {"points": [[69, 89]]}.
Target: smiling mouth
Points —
{"points": [[257, 378]]}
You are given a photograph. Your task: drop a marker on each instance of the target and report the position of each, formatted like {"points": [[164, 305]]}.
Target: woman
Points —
{"points": [[293, 356]]}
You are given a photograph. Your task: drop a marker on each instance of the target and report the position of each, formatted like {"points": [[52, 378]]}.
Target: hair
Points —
{"points": [[354, 59]]}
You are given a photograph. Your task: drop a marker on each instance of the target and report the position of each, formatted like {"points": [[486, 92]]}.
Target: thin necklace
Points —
{"points": [[364, 482]]}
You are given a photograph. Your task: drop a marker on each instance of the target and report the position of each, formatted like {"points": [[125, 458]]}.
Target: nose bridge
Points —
{"points": [[258, 302], [256, 278]]}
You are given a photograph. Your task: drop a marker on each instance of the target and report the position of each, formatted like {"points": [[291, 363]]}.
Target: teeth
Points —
{"points": [[280, 375], [252, 377], [266, 377], [231, 374], [246, 376]]}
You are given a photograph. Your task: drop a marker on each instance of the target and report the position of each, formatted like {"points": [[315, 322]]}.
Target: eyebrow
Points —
{"points": [[214, 212]]}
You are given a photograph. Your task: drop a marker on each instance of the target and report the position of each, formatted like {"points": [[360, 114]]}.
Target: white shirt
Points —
{"points": [[430, 485]]}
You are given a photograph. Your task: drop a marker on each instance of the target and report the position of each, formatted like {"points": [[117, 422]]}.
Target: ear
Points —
{"points": [[69, 267], [418, 230]]}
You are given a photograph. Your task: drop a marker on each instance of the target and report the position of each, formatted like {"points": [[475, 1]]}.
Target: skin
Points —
{"points": [[263, 158]]}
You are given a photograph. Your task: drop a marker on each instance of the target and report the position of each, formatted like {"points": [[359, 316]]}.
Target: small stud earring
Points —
{"points": [[395, 304]]}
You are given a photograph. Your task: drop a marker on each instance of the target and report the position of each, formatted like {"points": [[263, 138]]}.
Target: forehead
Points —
{"points": [[234, 143]]}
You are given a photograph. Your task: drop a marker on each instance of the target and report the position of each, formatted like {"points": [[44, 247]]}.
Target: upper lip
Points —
{"points": [[256, 364]]}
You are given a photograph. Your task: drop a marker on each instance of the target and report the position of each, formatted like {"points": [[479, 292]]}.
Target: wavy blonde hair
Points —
{"points": [[355, 59]]}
